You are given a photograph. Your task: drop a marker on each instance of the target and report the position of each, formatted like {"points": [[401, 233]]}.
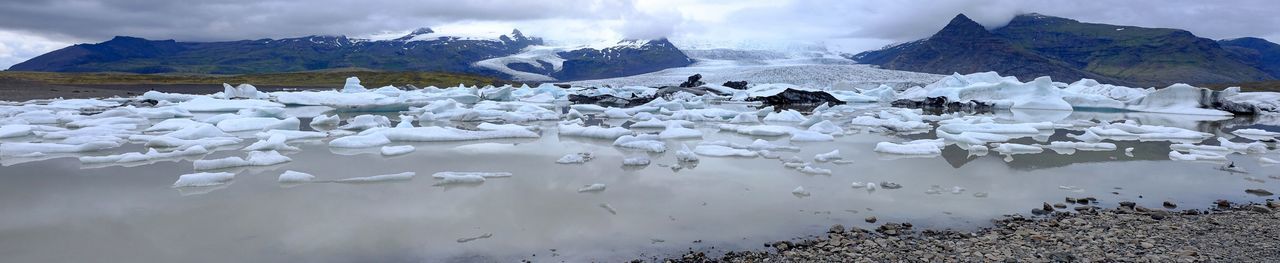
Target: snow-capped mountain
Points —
{"points": [[565, 63], [512, 55]]}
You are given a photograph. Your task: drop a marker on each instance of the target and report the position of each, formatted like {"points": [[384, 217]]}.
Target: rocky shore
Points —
{"points": [[1087, 233]]}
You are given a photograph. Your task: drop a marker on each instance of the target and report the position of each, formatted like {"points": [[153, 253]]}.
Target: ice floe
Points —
{"points": [[203, 179]]}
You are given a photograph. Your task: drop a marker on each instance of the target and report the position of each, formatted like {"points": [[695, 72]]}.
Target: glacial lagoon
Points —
{"points": [[54, 208]]}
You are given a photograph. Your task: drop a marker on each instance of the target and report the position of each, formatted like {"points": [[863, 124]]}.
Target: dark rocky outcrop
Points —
{"points": [[793, 96], [742, 85], [694, 81], [619, 61]]}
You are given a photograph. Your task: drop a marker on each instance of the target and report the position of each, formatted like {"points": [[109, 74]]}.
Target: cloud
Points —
{"points": [[857, 25]]}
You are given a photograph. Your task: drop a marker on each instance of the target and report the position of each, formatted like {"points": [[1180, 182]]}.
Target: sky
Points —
{"points": [[29, 28]]}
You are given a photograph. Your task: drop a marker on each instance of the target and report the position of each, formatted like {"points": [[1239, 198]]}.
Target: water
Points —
{"points": [[58, 210]]}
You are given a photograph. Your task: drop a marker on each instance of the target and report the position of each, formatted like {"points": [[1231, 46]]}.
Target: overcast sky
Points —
{"points": [[32, 27]]}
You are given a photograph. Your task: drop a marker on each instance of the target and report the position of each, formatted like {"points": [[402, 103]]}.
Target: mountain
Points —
{"points": [[420, 50], [1257, 52], [625, 58], [1037, 45], [964, 46]]}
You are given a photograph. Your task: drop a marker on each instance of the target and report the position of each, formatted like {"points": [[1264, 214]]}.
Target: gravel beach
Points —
{"points": [[1086, 233]]}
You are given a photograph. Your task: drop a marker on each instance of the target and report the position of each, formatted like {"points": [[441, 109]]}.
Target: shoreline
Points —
{"points": [[1085, 233]]}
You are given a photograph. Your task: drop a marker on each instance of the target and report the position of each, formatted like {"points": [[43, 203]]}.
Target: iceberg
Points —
{"points": [[293, 177], [722, 151], [397, 150], [908, 148], [593, 131], [405, 176], [592, 188], [203, 179]]}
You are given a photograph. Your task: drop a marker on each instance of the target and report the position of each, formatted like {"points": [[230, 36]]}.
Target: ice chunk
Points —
{"points": [[290, 135], [826, 127], [325, 121], [593, 131], [675, 131], [360, 141], [636, 161], [12, 131], [646, 142], [815, 170], [203, 179], [293, 177], [800, 192], [722, 151], [258, 124], [266, 158], [25, 148], [827, 157], [243, 91], [786, 116], [353, 86], [443, 134], [761, 144], [758, 130], [207, 104], [1071, 147], [442, 175], [405, 176], [397, 150], [592, 188], [686, 155], [1196, 155], [809, 136], [1254, 134], [745, 118], [198, 131], [575, 158], [1014, 148], [1265, 160], [907, 149], [364, 122], [150, 155], [1245, 148], [273, 143]]}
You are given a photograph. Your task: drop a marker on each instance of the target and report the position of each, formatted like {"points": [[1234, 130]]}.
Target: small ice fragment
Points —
{"points": [[980, 194], [829, 156], [592, 188], [406, 176], [800, 192], [686, 155], [636, 161], [957, 190], [203, 179], [469, 239], [575, 158], [609, 208], [1128, 151], [815, 170], [293, 177], [397, 150]]}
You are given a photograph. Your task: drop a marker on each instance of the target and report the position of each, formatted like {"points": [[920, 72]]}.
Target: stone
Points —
{"points": [[1258, 192], [871, 219], [1170, 205]]}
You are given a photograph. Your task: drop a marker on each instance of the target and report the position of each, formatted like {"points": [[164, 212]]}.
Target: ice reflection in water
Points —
{"points": [[54, 209]]}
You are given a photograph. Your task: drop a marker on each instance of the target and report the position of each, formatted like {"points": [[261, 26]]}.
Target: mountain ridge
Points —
{"points": [[420, 50], [1067, 50]]}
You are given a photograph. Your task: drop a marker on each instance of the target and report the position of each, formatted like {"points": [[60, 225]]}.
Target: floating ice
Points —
{"points": [[397, 150], [203, 179], [405, 176], [365, 122], [207, 104], [829, 156], [12, 131], [575, 158], [243, 91], [1197, 155], [325, 121], [353, 86], [646, 142], [593, 131], [686, 155], [150, 155], [266, 158], [722, 151], [907, 149], [274, 143], [26, 148], [1014, 148], [636, 161], [258, 124], [360, 141], [745, 118], [676, 131], [786, 116], [592, 188], [1256, 134], [809, 136], [826, 127], [800, 192], [292, 177], [814, 170]]}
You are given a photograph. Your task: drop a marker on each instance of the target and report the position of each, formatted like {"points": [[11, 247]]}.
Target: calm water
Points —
{"points": [[57, 210]]}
